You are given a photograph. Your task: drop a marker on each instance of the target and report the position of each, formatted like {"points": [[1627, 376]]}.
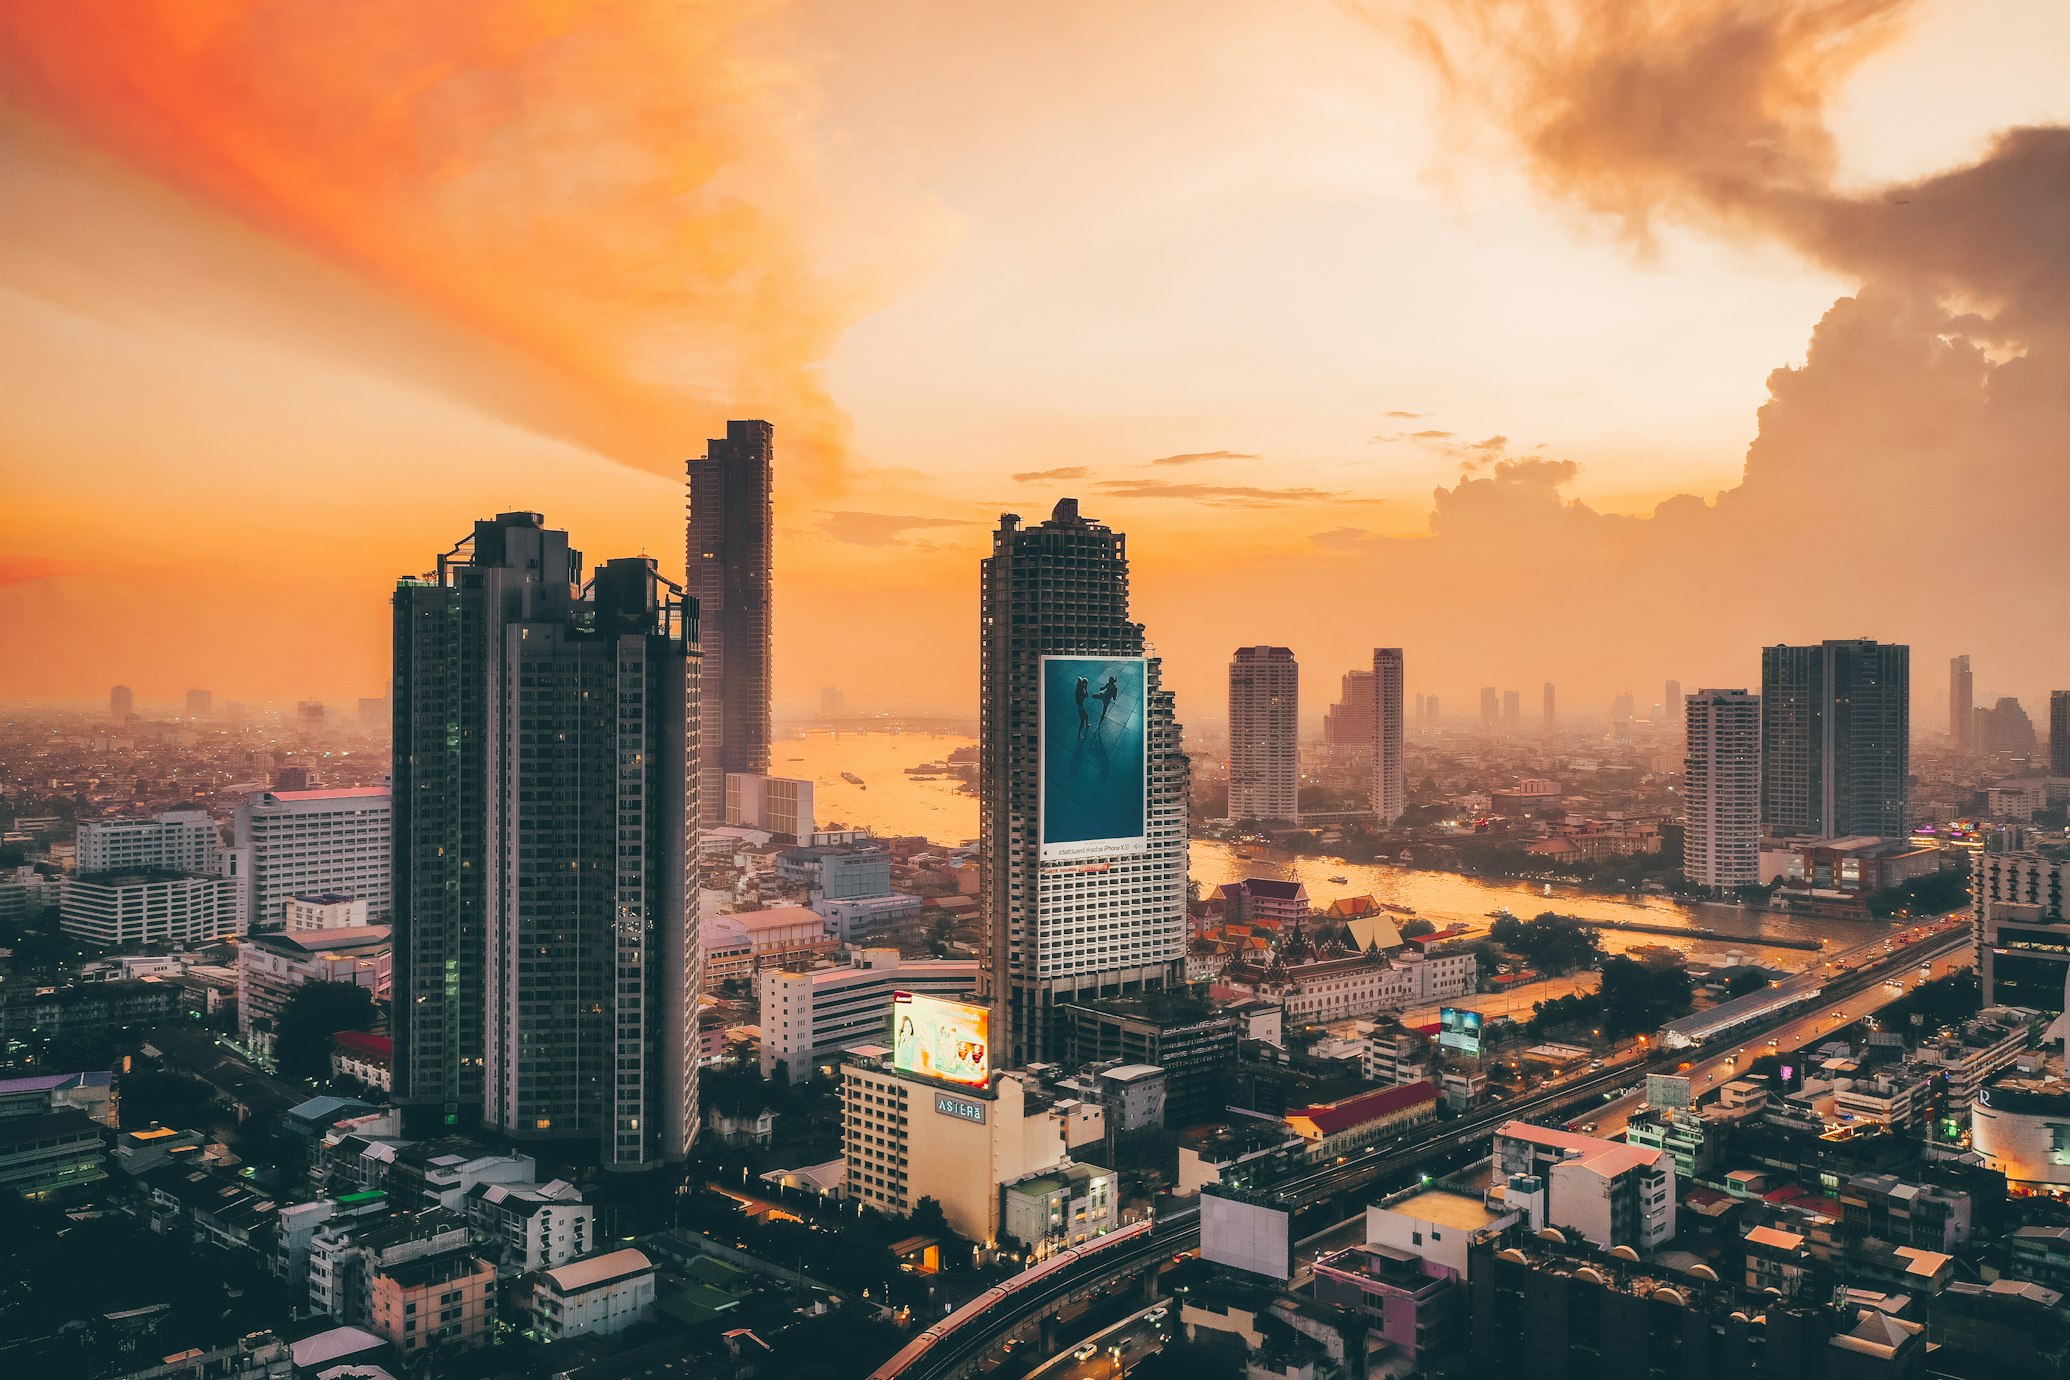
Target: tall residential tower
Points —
{"points": [[1082, 786], [1390, 788], [728, 565], [1962, 700], [545, 806], [1721, 845], [1264, 734], [1836, 738]]}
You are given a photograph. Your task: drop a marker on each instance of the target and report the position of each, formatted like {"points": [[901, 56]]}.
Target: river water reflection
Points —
{"points": [[891, 802]]}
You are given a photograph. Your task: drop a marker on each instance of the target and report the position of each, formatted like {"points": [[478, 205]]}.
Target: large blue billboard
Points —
{"points": [[1094, 755]]}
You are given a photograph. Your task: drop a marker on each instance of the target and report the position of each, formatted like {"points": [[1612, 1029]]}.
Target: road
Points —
{"points": [[1851, 994], [1116, 1347], [1714, 1070]]}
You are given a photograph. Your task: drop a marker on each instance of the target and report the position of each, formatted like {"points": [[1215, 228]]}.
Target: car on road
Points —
{"points": [[1086, 1352], [1157, 1314]]}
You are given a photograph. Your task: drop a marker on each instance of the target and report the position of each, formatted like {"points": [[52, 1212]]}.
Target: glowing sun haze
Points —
{"points": [[1575, 341]]}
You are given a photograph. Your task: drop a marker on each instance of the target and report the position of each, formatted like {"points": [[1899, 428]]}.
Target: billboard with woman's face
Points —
{"points": [[941, 1039], [1095, 755]]}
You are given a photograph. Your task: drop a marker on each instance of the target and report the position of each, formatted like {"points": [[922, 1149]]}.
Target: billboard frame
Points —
{"points": [[1122, 845], [905, 1005]]}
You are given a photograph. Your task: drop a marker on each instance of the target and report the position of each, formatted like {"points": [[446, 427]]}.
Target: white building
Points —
{"points": [[149, 907], [1066, 1206], [1264, 734], [1390, 786], [1721, 847], [811, 1016], [1333, 985], [328, 911], [527, 1227], [1070, 918], [312, 843], [906, 1138], [1612, 1193], [271, 966], [602, 1295], [175, 841], [859, 918], [777, 804]]}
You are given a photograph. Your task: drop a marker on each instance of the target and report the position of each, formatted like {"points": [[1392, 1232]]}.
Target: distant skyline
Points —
{"points": [[1357, 343]]}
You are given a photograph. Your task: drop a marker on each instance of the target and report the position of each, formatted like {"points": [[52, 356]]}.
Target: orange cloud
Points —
{"points": [[612, 194]]}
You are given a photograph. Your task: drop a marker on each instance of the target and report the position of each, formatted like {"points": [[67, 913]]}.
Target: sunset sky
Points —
{"points": [[1484, 328]]}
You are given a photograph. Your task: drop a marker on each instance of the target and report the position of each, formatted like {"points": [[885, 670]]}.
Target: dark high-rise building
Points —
{"points": [[1432, 712], [1349, 722], [1551, 710], [200, 704], [1082, 786], [729, 578], [1491, 707], [1621, 709], [1962, 700], [2005, 729], [2059, 733], [545, 805], [122, 703], [1835, 738], [1390, 785], [1264, 734]]}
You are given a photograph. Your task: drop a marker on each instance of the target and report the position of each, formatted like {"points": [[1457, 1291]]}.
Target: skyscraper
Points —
{"points": [[1721, 844], [121, 704], [1390, 786], [545, 806], [1082, 786], [1551, 711], [200, 704], [1422, 709], [729, 578], [1349, 722], [1962, 699], [1491, 710], [2005, 729], [1672, 705], [1621, 708], [2059, 733], [1264, 734], [1835, 738], [1431, 710]]}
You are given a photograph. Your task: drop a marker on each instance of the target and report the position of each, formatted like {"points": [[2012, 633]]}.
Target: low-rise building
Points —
{"points": [[1415, 1306], [1438, 1225], [1062, 1207], [365, 1057], [1612, 1193], [49, 1153], [906, 1137], [1905, 1213], [527, 1227], [149, 906], [271, 966], [809, 1015], [84, 1008], [444, 1300], [1193, 1042], [1352, 1123], [603, 1294]]}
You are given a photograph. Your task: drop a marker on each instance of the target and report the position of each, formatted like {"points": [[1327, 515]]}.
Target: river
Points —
{"points": [[891, 802]]}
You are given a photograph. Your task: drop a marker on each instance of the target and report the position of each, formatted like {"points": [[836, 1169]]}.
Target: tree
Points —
{"points": [[1741, 981], [1637, 997], [1416, 928], [316, 1012], [170, 1099], [1551, 943]]}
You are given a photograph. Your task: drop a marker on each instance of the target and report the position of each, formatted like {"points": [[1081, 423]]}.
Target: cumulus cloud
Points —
{"points": [[1923, 434]]}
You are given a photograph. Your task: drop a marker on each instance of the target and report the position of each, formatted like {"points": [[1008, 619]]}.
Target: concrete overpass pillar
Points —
{"points": [[1152, 1290]]}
